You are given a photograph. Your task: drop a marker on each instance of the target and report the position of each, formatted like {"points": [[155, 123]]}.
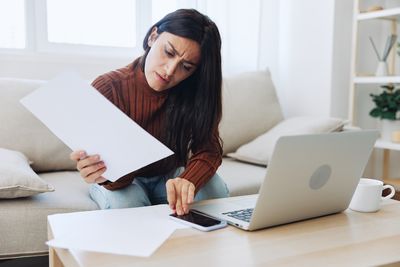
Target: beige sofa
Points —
{"points": [[250, 108]]}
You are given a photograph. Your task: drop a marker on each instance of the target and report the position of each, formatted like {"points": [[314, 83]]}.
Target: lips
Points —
{"points": [[161, 78]]}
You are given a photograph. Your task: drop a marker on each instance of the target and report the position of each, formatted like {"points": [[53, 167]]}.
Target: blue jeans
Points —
{"points": [[146, 191]]}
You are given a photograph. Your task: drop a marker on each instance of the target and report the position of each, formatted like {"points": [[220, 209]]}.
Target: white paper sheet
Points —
{"points": [[133, 231], [84, 119]]}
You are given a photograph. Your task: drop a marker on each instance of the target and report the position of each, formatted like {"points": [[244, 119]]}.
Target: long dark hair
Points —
{"points": [[194, 105]]}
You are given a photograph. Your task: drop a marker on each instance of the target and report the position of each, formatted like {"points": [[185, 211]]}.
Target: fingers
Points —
{"points": [[191, 191], [82, 155], [91, 169], [180, 193], [187, 196], [178, 205], [171, 197], [100, 179], [77, 155], [95, 177], [174, 195], [87, 161], [184, 197]]}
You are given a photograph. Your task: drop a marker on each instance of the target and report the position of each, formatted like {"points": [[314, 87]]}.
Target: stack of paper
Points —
{"points": [[134, 231]]}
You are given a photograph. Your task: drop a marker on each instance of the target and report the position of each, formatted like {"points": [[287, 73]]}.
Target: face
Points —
{"points": [[171, 59]]}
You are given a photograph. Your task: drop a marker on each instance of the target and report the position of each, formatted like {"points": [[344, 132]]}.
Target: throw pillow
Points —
{"points": [[260, 149], [250, 107], [21, 131], [17, 179]]}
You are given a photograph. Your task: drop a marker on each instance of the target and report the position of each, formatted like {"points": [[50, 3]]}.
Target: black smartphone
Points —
{"points": [[199, 221]]}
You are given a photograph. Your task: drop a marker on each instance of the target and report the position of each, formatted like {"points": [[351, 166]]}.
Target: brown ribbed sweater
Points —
{"points": [[128, 89]]}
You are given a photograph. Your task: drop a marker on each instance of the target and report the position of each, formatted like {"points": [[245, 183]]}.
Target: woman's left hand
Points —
{"points": [[180, 193]]}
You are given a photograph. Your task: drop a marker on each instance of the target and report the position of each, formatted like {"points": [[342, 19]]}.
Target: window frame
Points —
{"points": [[16, 50], [44, 46], [36, 41]]}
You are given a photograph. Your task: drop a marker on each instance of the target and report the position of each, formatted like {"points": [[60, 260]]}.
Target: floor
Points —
{"points": [[42, 261]]}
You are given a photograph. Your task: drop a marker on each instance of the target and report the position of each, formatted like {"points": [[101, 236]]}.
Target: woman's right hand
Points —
{"points": [[90, 167]]}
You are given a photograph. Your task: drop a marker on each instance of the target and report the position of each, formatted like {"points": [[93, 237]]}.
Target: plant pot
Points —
{"points": [[388, 127]]}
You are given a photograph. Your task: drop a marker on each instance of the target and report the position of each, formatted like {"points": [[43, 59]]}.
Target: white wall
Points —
{"points": [[269, 37], [305, 56], [239, 25], [341, 58], [308, 54]]}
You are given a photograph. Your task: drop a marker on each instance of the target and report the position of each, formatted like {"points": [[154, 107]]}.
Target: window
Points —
{"points": [[12, 24], [93, 27], [160, 8], [92, 22]]}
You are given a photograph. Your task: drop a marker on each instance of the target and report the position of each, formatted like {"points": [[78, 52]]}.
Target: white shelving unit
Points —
{"points": [[376, 80], [393, 16], [392, 13], [387, 147]]}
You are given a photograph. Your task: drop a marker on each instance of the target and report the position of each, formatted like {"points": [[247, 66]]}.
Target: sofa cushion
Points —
{"points": [[20, 130], [241, 178], [23, 223], [259, 150], [17, 179], [250, 107]]}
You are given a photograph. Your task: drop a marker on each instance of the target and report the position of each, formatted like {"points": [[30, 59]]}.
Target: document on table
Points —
{"points": [[84, 119], [133, 231]]}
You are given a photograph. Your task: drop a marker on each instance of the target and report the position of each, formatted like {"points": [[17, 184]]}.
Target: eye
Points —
{"points": [[186, 67], [168, 53]]}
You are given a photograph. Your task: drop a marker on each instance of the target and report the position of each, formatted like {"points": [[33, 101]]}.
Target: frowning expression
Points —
{"points": [[171, 59]]}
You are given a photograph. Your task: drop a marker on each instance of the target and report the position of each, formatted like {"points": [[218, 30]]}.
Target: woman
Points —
{"points": [[174, 92]]}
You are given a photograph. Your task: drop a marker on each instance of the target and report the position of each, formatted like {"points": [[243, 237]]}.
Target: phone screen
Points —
{"points": [[197, 218]]}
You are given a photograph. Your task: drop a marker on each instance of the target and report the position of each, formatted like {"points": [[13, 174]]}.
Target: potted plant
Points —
{"points": [[387, 109]]}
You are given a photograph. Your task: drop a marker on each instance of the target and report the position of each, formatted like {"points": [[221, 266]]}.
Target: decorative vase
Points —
{"points": [[382, 69], [388, 127]]}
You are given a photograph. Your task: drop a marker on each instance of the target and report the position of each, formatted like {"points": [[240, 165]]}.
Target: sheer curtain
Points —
{"points": [[239, 23]]}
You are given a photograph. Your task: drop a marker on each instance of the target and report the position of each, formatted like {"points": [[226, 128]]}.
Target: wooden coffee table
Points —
{"points": [[345, 239]]}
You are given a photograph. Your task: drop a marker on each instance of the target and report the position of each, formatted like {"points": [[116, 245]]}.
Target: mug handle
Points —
{"points": [[393, 191]]}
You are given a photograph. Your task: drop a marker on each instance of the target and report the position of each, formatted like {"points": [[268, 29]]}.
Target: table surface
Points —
{"points": [[344, 239]]}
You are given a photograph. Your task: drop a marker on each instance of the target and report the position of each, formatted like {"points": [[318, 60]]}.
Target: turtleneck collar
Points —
{"points": [[142, 83]]}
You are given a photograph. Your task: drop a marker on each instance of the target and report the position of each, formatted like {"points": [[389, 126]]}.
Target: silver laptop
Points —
{"points": [[308, 176]]}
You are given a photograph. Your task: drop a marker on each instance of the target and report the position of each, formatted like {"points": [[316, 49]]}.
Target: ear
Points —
{"points": [[152, 37]]}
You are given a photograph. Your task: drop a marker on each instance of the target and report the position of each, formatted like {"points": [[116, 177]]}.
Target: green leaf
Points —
{"points": [[388, 115], [376, 113], [387, 103]]}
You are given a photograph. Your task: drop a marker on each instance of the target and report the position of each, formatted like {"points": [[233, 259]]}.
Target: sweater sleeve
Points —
{"points": [[204, 162], [122, 182]]}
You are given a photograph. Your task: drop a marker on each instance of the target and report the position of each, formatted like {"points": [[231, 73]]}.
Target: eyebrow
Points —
{"points": [[173, 48]]}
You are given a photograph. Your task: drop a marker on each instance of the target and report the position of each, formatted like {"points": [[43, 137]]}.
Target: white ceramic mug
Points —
{"points": [[368, 195]]}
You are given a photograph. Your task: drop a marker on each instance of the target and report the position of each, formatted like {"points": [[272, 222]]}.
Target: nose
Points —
{"points": [[171, 67]]}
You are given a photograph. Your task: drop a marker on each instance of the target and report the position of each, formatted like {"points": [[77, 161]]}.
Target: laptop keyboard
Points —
{"points": [[243, 215]]}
